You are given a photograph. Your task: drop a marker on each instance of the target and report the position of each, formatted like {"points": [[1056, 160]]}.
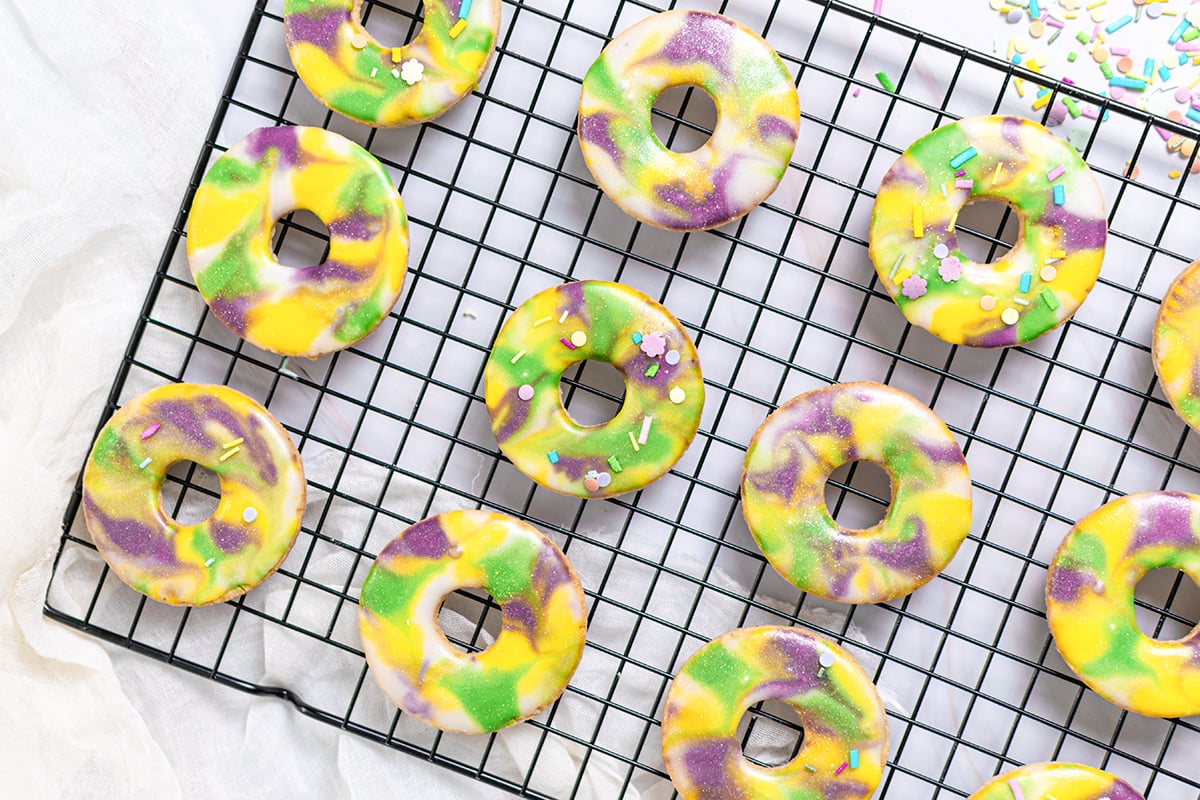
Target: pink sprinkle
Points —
{"points": [[567, 342], [857, 92], [1055, 174], [878, 7], [525, 393], [1118, 51], [842, 769], [654, 345], [950, 269], [1187, 47], [1016, 789], [1164, 133], [915, 287], [1183, 95], [964, 184], [1095, 32], [1117, 92], [1091, 112], [1052, 21], [960, 174], [153, 429]]}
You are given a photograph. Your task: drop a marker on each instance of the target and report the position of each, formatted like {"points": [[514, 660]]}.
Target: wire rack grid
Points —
{"points": [[501, 206]]}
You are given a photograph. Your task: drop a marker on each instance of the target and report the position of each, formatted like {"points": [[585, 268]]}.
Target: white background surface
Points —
{"points": [[86, 215]]}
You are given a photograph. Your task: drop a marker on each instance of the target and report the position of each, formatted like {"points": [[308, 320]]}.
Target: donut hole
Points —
{"points": [[858, 494], [592, 393], [300, 240], [470, 619], [987, 229], [190, 493], [771, 734], [393, 24], [684, 118], [1167, 604]]}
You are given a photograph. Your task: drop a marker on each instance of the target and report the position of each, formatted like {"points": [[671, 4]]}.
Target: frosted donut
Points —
{"points": [[845, 728], [1089, 602], [758, 119], [257, 517], [1177, 345], [356, 76], [783, 492], [600, 321], [532, 659], [1058, 780], [1034, 288], [298, 312]]}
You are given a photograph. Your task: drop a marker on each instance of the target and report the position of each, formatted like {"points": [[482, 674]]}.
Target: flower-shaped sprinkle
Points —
{"points": [[951, 269], [654, 345], [412, 71], [915, 287]]}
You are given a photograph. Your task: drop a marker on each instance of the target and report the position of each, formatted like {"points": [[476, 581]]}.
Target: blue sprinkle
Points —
{"points": [[553, 456], [464, 10], [1180, 30], [1034, 10], [1127, 83], [144, 464], [1060, 194], [1026, 281], [963, 157], [1193, 115], [637, 338], [853, 759], [1121, 23], [1149, 70], [1164, 73], [1043, 92], [1016, 59], [1182, 59]]}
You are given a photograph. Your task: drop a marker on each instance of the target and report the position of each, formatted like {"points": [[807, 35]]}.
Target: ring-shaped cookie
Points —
{"points": [[1090, 594], [1177, 345], [532, 659], [345, 68], [298, 312], [1046, 276], [758, 120], [257, 517], [783, 492], [1061, 781], [845, 728], [600, 321]]}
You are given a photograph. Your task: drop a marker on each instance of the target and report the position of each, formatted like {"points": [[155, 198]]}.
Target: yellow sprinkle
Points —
{"points": [[918, 221], [458, 28], [517, 357], [996, 174], [397, 55], [1096, 4], [633, 441], [1042, 101], [230, 454], [1020, 84], [1060, 253], [1192, 85], [234, 443], [542, 321], [1174, 174], [902, 276]]}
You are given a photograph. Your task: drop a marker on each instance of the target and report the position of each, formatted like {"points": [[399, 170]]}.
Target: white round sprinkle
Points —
{"points": [[250, 514], [941, 251], [579, 338], [672, 357], [827, 660], [1010, 316], [525, 393], [604, 479], [678, 395]]}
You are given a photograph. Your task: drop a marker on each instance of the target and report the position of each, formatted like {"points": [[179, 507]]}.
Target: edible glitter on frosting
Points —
{"points": [[532, 659], [1060, 781], [353, 74], [1177, 345], [309, 311], [227, 554], [838, 706], [758, 120], [1012, 162], [530, 351], [1090, 595], [799, 446]]}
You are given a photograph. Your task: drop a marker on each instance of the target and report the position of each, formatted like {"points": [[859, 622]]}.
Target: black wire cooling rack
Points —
{"points": [[785, 300]]}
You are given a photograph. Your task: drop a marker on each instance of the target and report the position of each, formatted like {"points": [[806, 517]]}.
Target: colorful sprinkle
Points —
{"points": [[842, 769], [1010, 316], [810, 768], [145, 463], [651, 371], [646, 422], [457, 29], [234, 443], [915, 287], [230, 454], [987, 302], [563, 317], [941, 251], [885, 81], [210, 562], [1055, 174], [517, 357], [579, 338], [853, 759], [525, 392], [634, 442], [1026, 281], [1049, 273], [963, 157], [1049, 299], [672, 357], [539, 323], [918, 220], [678, 395], [566, 342], [1016, 789], [950, 269], [1060, 194], [654, 345], [464, 10], [614, 463], [359, 40], [150, 431], [250, 514], [553, 456], [637, 338]]}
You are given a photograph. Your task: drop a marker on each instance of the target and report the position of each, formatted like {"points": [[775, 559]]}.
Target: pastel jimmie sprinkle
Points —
{"points": [[234, 443], [553, 456], [210, 562], [1026, 281], [885, 81], [896, 266], [230, 454], [1060, 194], [567, 342], [810, 768], [964, 184], [853, 759], [652, 370], [1016, 789], [458, 28], [646, 422], [963, 157], [150, 431], [518, 357], [842, 769], [918, 221], [1049, 299], [542, 321], [633, 441], [614, 463], [464, 10], [564, 316], [1055, 174], [1121, 23], [145, 463]]}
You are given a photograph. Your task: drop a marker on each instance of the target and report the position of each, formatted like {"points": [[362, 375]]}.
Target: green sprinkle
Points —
{"points": [[1083, 37], [1072, 107], [614, 463], [885, 81], [1071, 56], [1049, 299], [810, 768], [1106, 69], [652, 370], [1055, 36]]}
